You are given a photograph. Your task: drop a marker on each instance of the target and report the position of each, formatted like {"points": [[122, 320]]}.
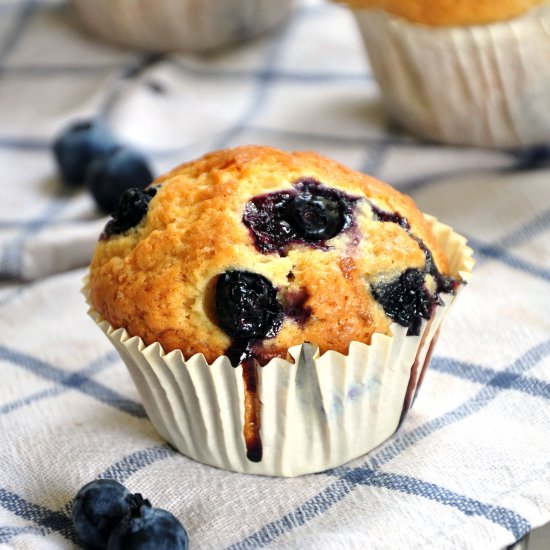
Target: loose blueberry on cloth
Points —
{"points": [[106, 515], [111, 174], [78, 145], [147, 528], [87, 153], [97, 509]]}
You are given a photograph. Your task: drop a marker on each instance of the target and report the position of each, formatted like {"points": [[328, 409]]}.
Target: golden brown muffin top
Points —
{"points": [[159, 278], [450, 12]]}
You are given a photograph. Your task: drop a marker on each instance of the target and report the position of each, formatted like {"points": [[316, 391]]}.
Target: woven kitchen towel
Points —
{"points": [[470, 467]]}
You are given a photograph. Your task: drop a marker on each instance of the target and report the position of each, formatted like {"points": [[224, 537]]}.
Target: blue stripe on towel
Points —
{"points": [[56, 521], [8, 533], [76, 381], [529, 230], [470, 507], [497, 252], [313, 77], [485, 375], [91, 370], [129, 465]]}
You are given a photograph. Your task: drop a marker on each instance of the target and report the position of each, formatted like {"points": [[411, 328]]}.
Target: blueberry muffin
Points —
{"points": [[491, 57], [239, 257]]}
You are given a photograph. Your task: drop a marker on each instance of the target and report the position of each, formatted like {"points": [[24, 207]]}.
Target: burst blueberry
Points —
{"points": [[132, 208], [307, 214], [97, 509], [78, 145], [315, 218], [443, 283], [110, 175], [406, 300], [246, 305], [147, 528]]}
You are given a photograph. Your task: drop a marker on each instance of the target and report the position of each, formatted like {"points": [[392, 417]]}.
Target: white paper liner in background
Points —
{"points": [[191, 25], [484, 85], [317, 412]]}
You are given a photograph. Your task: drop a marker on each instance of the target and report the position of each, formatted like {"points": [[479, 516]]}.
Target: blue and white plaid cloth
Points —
{"points": [[470, 467]]}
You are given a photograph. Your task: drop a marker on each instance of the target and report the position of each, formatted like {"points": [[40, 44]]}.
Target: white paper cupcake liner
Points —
{"points": [[485, 85], [191, 25], [317, 412]]}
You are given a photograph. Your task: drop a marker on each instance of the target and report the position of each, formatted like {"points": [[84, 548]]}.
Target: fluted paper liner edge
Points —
{"points": [[318, 411], [485, 85]]}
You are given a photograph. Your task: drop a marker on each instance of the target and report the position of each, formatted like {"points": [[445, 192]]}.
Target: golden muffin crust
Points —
{"points": [[158, 279], [450, 12]]}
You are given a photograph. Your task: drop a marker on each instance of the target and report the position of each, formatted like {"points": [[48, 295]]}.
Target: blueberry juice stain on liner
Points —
{"points": [[243, 352], [252, 410], [415, 381]]}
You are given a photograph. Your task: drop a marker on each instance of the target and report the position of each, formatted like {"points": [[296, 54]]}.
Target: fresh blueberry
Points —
{"points": [[533, 157], [406, 300], [97, 509], [78, 145], [147, 528], [111, 174], [131, 209], [314, 217], [247, 306]]}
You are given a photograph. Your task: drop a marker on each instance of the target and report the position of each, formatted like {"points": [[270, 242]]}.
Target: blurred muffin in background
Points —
{"points": [[469, 72], [189, 25]]}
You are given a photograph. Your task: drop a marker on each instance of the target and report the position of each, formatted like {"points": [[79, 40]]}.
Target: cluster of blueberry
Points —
{"points": [[87, 153], [107, 516]]}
